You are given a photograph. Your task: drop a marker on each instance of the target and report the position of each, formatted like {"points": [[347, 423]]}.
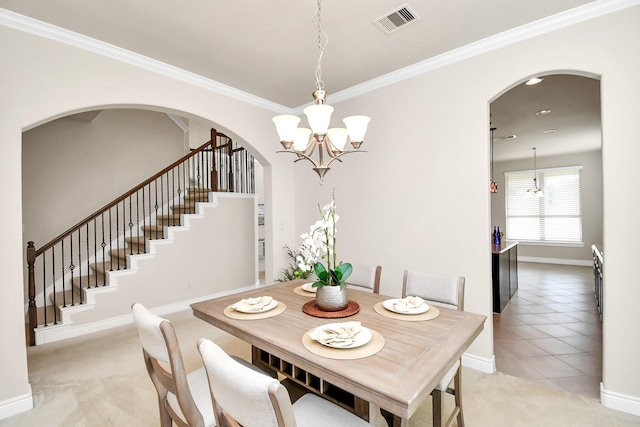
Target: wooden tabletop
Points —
{"points": [[398, 378]]}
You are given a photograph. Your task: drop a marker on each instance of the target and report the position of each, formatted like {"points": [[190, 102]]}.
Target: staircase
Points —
{"points": [[67, 274]]}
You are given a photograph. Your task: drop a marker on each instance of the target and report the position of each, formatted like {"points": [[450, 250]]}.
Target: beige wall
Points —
{"points": [[418, 200], [591, 162]]}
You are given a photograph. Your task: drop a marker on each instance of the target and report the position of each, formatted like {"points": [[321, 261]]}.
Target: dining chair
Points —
{"points": [[365, 276], [244, 397], [447, 292], [182, 398]]}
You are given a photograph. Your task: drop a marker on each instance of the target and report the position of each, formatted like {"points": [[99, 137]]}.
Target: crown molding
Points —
{"points": [[506, 38], [33, 26]]}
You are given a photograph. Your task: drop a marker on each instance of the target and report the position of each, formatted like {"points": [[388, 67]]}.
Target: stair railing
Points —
{"points": [[62, 268]]}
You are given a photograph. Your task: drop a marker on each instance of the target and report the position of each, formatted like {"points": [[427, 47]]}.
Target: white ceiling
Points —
{"points": [[269, 48]]}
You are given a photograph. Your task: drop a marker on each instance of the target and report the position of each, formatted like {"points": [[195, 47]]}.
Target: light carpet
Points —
{"points": [[100, 380]]}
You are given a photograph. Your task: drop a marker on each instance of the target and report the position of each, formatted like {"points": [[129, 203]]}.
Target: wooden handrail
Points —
{"points": [[123, 197]]}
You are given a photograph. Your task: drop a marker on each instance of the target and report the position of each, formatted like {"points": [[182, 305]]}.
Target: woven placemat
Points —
{"points": [[369, 349], [312, 309], [233, 314], [300, 291], [428, 315]]}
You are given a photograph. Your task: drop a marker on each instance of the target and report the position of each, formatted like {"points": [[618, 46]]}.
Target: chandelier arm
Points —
{"points": [[301, 156], [342, 154]]}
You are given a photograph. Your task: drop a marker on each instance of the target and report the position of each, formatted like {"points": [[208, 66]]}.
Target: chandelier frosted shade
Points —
{"points": [[338, 138], [319, 117], [286, 126], [357, 127], [301, 141]]}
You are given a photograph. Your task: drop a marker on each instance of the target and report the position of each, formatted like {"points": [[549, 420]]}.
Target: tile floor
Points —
{"points": [[551, 332]]}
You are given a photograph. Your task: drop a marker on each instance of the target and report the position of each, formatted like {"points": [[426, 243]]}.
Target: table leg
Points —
{"points": [[375, 416]]}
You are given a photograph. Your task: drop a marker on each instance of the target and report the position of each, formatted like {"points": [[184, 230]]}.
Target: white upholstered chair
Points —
{"points": [[446, 292], [244, 397], [182, 398], [365, 276]]}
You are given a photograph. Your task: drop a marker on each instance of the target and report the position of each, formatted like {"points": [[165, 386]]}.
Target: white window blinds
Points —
{"points": [[554, 218]]}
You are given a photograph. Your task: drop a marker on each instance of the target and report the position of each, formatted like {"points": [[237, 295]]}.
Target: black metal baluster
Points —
{"points": [[95, 254], [130, 222], [71, 268], [64, 294], [103, 245], [53, 277], [117, 239], [137, 215], [44, 287]]}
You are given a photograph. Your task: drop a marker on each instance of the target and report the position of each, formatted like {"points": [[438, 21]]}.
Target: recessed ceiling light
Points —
{"points": [[549, 131], [534, 81], [543, 112]]}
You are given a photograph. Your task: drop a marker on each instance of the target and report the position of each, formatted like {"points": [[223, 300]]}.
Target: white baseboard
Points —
{"points": [[563, 261], [16, 405], [55, 333], [487, 366], [619, 402]]}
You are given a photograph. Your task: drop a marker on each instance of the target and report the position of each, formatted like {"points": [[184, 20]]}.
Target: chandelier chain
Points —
{"points": [[317, 17]]}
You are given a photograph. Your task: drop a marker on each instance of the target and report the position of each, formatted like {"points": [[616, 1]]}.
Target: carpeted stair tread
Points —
{"points": [[169, 220], [90, 281], [109, 265], [122, 253], [67, 297]]}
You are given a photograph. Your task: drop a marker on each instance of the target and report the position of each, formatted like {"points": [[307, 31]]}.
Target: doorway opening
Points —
{"points": [[550, 330]]}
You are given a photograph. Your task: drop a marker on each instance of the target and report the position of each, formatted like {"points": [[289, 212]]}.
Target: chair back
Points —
{"points": [[242, 396], [160, 345], [365, 276], [447, 291]]}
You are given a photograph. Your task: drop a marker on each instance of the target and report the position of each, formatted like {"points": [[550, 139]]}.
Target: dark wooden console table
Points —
{"points": [[504, 266]]}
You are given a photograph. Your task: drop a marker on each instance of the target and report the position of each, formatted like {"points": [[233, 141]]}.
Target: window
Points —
{"points": [[554, 218]]}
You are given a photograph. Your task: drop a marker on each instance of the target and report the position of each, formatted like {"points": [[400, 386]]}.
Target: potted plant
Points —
{"points": [[320, 243]]}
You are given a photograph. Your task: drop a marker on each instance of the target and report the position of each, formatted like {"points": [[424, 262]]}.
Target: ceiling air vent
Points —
{"points": [[396, 19]]}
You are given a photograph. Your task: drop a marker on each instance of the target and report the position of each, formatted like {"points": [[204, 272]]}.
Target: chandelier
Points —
{"points": [[535, 191], [329, 143]]}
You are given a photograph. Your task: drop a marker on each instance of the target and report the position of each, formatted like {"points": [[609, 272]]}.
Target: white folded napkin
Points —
{"points": [[252, 304], [337, 334], [406, 304]]}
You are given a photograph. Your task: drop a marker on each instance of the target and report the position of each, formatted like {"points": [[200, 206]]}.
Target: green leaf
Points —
{"points": [[321, 272], [345, 270]]}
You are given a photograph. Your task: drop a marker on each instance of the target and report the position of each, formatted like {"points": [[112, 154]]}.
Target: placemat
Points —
{"points": [[304, 293], [428, 315], [311, 308], [233, 314], [369, 349]]}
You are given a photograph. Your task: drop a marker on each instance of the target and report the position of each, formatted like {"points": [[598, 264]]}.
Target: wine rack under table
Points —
{"points": [[311, 382]]}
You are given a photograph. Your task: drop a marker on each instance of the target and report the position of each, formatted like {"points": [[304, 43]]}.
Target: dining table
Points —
{"points": [[400, 360]]}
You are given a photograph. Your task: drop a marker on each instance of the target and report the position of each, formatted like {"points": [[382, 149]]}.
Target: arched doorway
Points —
{"points": [[551, 329]]}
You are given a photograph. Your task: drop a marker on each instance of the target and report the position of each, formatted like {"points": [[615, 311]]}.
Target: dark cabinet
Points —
{"points": [[504, 267]]}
